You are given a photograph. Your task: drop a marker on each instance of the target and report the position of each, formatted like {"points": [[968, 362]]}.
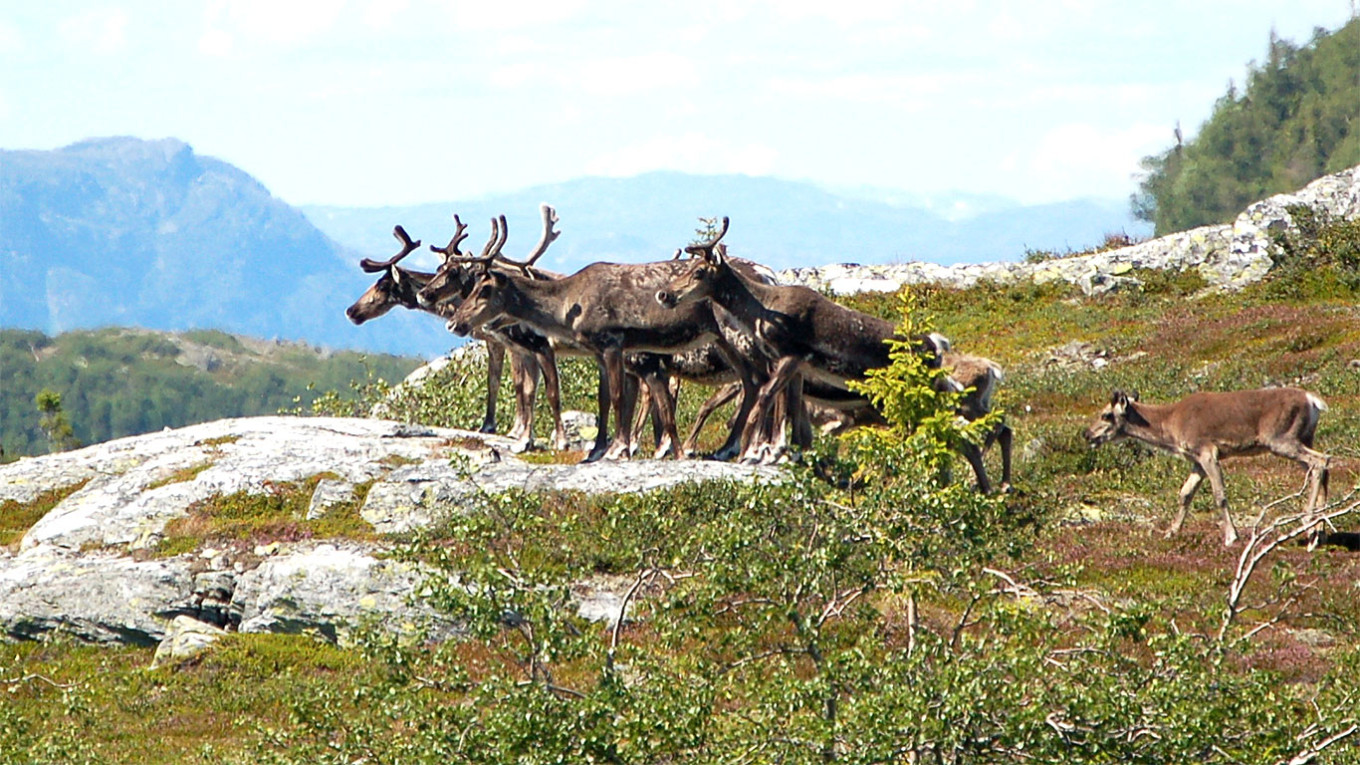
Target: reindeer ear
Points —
{"points": [[719, 255], [1119, 398], [396, 275], [1133, 395]]}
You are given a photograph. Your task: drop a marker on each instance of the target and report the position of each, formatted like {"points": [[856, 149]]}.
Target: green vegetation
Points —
{"points": [[277, 515], [864, 610], [17, 517], [103, 384], [1294, 121]]}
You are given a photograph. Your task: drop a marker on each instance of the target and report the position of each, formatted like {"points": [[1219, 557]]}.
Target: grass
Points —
{"points": [[80, 703], [16, 518], [277, 514], [1098, 541]]}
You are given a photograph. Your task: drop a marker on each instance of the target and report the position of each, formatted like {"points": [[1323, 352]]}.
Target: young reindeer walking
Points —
{"points": [[1205, 428]]}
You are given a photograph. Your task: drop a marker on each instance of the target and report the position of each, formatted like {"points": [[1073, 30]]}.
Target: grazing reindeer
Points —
{"points": [[400, 286], [977, 378], [1207, 427], [803, 331], [608, 309]]}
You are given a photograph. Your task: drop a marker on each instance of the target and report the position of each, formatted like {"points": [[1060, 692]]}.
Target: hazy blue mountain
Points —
{"points": [[121, 231], [781, 223]]}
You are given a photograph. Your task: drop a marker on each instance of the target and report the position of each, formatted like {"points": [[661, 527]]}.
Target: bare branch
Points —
{"points": [[1261, 544], [643, 577], [1311, 753]]}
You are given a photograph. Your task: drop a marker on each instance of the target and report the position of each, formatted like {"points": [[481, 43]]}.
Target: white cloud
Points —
{"points": [[102, 32], [381, 14], [841, 12], [276, 22], [902, 90], [480, 15], [11, 41], [610, 77], [629, 75], [691, 152], [215, 42], [1081, 158]]}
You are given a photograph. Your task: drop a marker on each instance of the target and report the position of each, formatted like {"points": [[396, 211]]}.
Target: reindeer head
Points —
{"points": [[698, 283], [484, 303], [1112, 422], [456, 275], [459, 274], [396, 286]]}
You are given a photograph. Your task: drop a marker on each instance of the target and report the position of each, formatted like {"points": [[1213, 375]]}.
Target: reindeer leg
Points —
{"points": [[621, 403], [1215, 475], [602, 399], [495, 361], [721, 396], [1187, 494], [1004, 436], [524, 372], [1318, 477], [784, 370], [663, 413], [737, 437], [552, 384]]}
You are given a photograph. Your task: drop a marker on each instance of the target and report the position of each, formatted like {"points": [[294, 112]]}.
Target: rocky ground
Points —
{"points": [[90, 566]]}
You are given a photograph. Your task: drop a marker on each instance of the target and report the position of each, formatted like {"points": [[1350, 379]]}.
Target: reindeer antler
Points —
{"points": [[407, 247], [549, 236], [706, 249], [490, 251], [451, 249]]}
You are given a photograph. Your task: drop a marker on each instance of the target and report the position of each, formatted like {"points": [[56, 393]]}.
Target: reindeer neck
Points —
{"points": [[540, 303], [739, 296], [1147, 422], [411, 284]]}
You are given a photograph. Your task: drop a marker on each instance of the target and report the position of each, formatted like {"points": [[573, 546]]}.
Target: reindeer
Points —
{"points": [[1207, 427], [458, 276], [804, 332], [398, 286], [607, 308], [977, 379]]}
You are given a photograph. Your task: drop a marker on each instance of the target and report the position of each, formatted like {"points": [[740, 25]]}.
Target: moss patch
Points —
{"points": [[278, 514], [16, 518]]}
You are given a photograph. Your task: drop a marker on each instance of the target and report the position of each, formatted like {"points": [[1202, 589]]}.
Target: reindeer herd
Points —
{"points": [[785, 352]]}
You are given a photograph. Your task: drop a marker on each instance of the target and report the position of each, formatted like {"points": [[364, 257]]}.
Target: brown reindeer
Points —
{"points": [[1207, 427], [801, 330], [459, 274], [398, 286], [608, 309]]}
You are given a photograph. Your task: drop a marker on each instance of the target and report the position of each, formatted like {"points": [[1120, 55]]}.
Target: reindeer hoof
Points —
{"points": [[487, 427], [520, 447]]}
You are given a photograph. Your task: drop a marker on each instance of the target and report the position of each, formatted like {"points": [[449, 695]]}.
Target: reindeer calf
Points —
{"points": [[1207, 427]]}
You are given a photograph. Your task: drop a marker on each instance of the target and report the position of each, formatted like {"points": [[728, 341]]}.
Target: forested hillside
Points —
{"points": [[120, 382], [1298, 117]]}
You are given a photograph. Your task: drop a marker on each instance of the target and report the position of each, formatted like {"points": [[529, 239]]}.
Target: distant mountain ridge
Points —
{"points": [[122, 231], [784, 224], [130, 232]]}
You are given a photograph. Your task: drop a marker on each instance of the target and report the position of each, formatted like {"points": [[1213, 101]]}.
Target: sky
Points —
{"points": [[397, 102]]}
